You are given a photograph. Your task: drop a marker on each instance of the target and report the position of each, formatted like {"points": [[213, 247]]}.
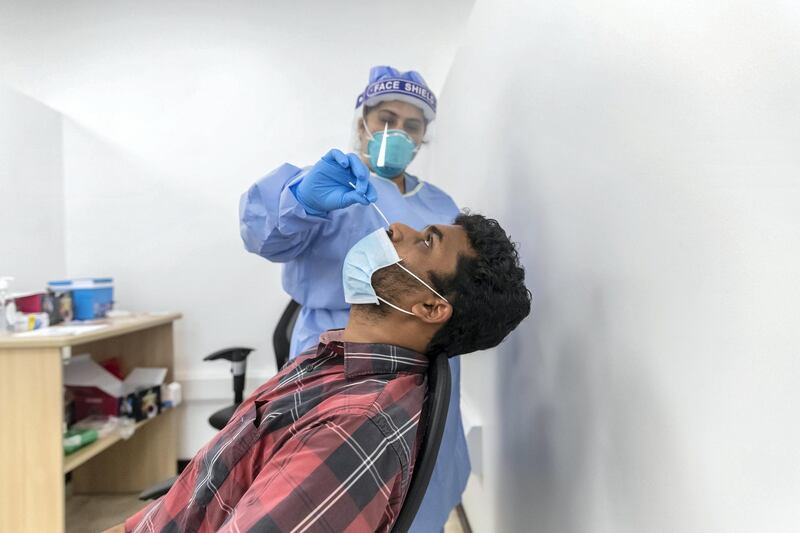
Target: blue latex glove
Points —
{"points": [[327, 187]]}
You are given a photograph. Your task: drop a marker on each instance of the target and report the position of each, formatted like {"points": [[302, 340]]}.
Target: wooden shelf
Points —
{"points": [[31, 371], [76, 459], [114, 327]]}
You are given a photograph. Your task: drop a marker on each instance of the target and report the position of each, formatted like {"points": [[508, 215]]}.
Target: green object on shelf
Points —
{"points": [[77, 439]]}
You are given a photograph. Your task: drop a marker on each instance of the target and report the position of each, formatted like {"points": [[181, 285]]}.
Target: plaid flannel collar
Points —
{"points": [[363, 359]]}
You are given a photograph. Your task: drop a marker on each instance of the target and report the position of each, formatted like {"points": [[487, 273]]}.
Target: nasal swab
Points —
{"points": [[382, 152], [378, 209]]}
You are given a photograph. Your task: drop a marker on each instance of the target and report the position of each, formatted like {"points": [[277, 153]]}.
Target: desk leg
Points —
{"points": [[31, 449]]}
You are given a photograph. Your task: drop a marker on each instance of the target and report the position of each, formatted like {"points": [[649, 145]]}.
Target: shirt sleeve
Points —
{"points": [[272, 222], [133, 521], [342, 475]]}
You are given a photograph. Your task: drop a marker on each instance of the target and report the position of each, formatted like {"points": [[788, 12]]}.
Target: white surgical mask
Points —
{"points": [[367, 256]]}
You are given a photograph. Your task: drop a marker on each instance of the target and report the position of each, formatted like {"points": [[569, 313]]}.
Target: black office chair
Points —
{"points": [[434, 420], [238, 358], [282, 336]]}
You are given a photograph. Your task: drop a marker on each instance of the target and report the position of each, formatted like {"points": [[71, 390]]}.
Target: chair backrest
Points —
{"points": [[436, 410], [282, 336]]}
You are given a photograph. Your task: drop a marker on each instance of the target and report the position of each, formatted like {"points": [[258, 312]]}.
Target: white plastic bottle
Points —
{"points": [[8, 309]]}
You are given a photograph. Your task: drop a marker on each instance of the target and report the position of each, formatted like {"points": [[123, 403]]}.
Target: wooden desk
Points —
{"points": [[32, 461]]}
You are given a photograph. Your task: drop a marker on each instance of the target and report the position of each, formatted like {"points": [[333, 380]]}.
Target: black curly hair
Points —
{"points": [[487, 291]]}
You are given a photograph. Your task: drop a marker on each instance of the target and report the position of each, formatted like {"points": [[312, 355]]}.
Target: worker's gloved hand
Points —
{"points": [[327, 187]]}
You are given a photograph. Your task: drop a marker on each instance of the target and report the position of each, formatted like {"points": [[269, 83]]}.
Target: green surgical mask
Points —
{"points": [[400, 151]]}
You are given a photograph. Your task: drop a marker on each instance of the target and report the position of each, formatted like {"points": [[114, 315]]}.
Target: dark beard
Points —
{"points": [[391, 283]]}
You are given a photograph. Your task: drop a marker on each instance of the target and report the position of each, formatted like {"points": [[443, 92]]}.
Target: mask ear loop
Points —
{"points": [[394, 306], [364, 122], [382, 151], [371, 136], [420, 280], [381, 162], [390, 304]]}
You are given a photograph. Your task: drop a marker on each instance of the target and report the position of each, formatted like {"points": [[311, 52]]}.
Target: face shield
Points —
{"points": [[393, 120]]}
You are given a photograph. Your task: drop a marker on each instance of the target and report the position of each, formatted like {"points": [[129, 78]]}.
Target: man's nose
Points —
{"points": [[399, 232]]}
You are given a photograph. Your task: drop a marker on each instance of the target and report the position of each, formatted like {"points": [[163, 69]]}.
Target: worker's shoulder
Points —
{"points": [[283, 171], [427, 188], [431, 188]]}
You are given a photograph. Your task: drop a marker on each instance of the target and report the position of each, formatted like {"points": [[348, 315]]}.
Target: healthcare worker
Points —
{"points": [[309, 219]]}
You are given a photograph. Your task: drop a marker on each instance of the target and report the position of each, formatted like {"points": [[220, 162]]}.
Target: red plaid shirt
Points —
{"points": [[328, 444]]}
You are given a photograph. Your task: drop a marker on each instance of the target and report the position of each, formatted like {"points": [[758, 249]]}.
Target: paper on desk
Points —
{"points": [[59, 331]]}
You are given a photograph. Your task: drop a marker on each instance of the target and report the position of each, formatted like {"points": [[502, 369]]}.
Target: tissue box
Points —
{"points": [[96, 391]]}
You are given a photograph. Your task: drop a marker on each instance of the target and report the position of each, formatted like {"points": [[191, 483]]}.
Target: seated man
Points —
{"points": [[329, 443]]}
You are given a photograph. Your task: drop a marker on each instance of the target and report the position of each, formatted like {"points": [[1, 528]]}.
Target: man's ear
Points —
{"points": [[433, 311]]}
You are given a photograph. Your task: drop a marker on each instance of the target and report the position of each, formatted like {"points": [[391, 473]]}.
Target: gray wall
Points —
{"points": [[645, 155], [31, 192]]}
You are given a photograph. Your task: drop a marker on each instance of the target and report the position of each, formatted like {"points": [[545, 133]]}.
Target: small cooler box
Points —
{"points": [[91, 297]]}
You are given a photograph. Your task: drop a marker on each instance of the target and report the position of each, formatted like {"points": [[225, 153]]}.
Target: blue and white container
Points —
{"points": [[91, 297]]}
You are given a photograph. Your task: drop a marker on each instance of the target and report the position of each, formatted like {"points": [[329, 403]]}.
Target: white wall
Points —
{"points": [[31, 192], [175, 109], [645, 154]]}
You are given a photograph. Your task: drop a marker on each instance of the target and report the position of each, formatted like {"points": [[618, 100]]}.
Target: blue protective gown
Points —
{"points": [[275, 226]]}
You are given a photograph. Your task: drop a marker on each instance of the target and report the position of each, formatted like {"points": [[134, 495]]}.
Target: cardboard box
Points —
{"points": [[96, 391]]}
